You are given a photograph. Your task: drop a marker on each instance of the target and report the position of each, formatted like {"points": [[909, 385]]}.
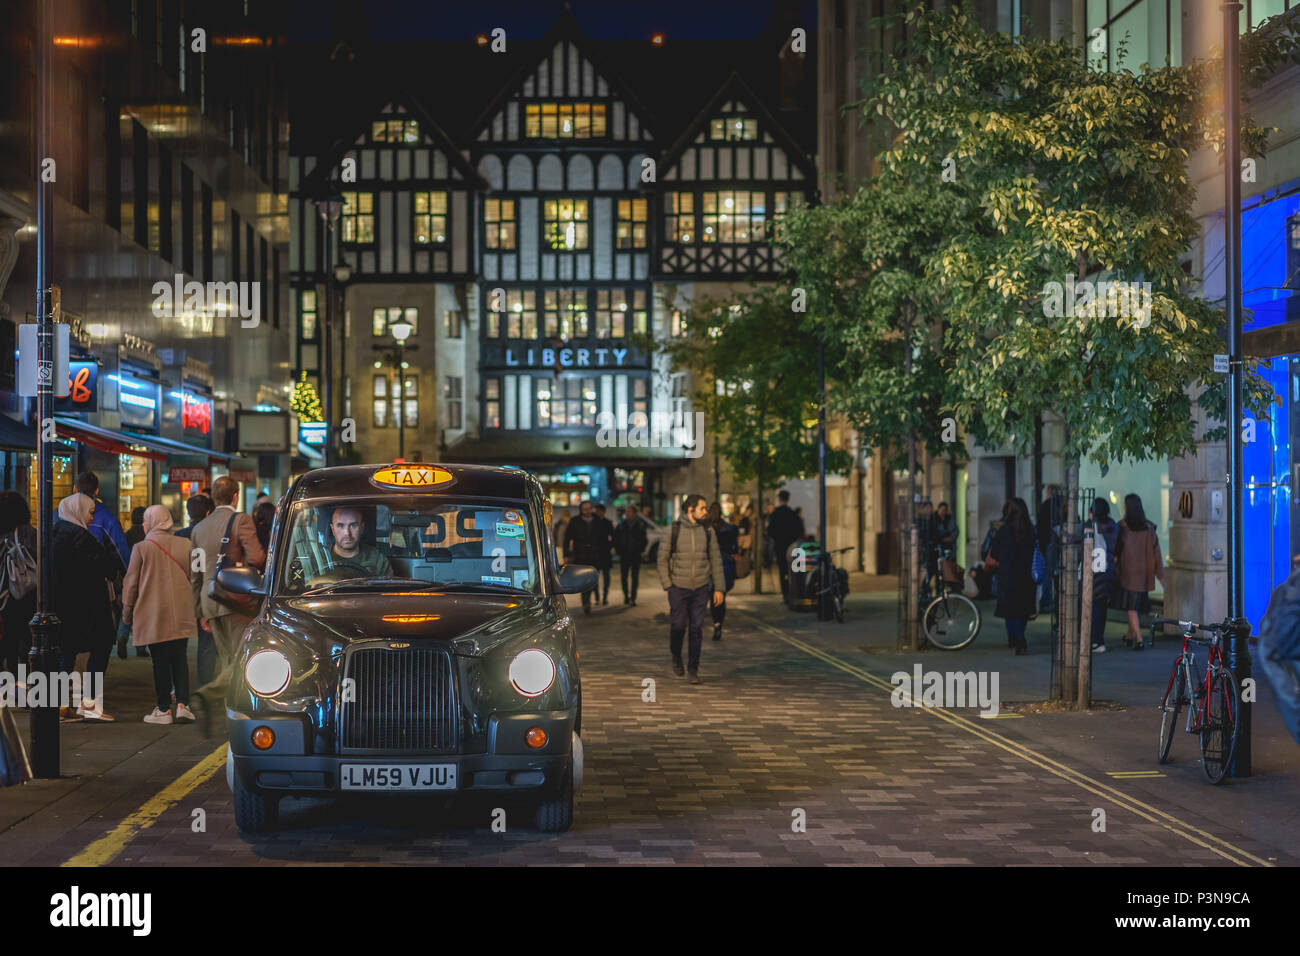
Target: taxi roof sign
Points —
{"points": [[411, 476]]}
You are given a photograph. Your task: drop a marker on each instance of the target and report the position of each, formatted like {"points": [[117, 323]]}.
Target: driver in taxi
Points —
{"points": [[346, 527]]}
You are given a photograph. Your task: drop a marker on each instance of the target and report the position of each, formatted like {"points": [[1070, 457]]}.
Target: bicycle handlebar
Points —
{"points": [[1191, 627]]}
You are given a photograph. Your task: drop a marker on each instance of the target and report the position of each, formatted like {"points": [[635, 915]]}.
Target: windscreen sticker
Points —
{"points": [[494, 579], [521, 578], [507, 530], [514, 517]]}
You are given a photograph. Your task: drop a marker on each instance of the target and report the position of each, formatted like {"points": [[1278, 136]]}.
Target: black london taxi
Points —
{"points": [[413, 638]]}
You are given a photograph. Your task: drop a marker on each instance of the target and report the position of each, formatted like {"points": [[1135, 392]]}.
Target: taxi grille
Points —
{"points": [[404, 701]]}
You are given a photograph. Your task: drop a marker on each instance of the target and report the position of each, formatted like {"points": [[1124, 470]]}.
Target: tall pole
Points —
{"points": [[1238, 651], [44, 654], [327, 390], [401, 399], [823, 598]]}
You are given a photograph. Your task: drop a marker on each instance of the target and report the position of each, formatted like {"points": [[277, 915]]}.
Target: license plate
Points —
{"points": [[403, 776]]}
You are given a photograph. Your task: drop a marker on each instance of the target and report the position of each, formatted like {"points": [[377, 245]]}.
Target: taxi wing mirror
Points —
{"points": [[242, 581], [576, 578]]}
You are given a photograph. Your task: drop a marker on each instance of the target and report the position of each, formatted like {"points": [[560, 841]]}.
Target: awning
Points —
{"points": [[15, 436], [118, 443]]}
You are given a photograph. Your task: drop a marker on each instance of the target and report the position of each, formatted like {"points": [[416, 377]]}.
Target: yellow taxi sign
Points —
{"points": [[411, 476]]}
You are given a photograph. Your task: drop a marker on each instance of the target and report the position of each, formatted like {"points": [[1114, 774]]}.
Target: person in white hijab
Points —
{"points": [[158, 604], [80, 598]]}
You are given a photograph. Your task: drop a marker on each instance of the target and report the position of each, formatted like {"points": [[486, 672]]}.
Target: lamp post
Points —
{"points": [[342, 276], [330, 206], [396, 353]]}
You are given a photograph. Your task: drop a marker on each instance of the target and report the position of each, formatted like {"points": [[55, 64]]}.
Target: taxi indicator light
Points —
{"points": [[535, 738], [411, 476], [263, 738]]}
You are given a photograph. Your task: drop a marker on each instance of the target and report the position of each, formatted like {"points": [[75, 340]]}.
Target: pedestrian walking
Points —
{"points": [[158, 604], [196, 509], [1012, 559], [604, 545], [561, 529], [135, 534], [263, 518], [1105, 534], [81, 572], [784, 527], [223, 530], [630, 541], [582, 542], [1137, 551], [1051, 512], [728, 537], [18, 544], [690, 570]]}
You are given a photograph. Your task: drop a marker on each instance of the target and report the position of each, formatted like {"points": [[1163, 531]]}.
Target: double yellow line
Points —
{"points": [[1201, 838]]}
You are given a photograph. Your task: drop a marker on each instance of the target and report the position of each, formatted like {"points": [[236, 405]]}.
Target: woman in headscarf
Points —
{"points": [[80, 572], [158, 604]]}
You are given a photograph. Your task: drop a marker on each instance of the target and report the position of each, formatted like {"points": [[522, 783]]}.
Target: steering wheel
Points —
{"points": [[331, 574]]}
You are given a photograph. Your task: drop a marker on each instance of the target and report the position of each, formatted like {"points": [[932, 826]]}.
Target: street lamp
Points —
{"points": [[330, 207], [396, 353], [342, 276]]}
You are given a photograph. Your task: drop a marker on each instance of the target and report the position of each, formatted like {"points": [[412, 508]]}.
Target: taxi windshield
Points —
{"points": [[360, 543]]}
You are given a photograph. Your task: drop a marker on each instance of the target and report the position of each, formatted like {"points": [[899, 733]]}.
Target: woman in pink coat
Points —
{"points": [[1138, 552], [159, 606]]}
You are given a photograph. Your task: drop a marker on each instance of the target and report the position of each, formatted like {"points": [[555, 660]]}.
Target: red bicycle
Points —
{"points": [[1214, 702]]}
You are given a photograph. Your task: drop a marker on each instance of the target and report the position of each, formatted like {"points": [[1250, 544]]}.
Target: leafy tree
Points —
{"points": [[305, 402]]}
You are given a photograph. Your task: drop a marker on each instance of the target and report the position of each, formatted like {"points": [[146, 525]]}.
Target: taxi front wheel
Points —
{"points": [[555, 814], [255, 812]]}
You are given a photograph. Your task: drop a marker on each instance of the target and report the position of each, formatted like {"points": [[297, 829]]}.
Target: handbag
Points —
{"points": [[743, 564], [215, 591], [1039, 566], [951, 571]]}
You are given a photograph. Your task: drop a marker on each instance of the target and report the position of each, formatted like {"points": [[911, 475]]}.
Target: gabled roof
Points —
{"points": [[564, 29], [735, 88], [360, 126]]}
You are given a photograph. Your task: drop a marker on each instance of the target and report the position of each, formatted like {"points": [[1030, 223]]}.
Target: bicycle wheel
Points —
{"points": [[951, 621], [1170, 704], [1221, 726]]}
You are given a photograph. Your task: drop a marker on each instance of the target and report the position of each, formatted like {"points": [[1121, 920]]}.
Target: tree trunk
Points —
{"points": [[1069, 621], [912, 564], [1083, 699]]}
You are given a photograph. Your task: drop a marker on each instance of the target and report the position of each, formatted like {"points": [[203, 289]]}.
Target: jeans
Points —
{"points": [[604, 577], [1016, 630], [686, 613], [227, 631], [1050, 560], [630, 567], [170, 670], [1100, 605], [207, 657]]}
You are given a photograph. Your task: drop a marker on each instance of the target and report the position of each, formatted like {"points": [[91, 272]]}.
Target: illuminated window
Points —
{"points": [[630, 229], [307, 311], [382, 319], [430, 217], [451, 324], [565, 313], [499, 218], [781, 204], [566, 223], [521, 314], [680, 224], [492, 403], [733, 216], [733, 128], [618, 311], [395, 131], [678, 326], [564, 120], [455, 401], [358, 217], [379, 393], [567, 403], [411, 399]]}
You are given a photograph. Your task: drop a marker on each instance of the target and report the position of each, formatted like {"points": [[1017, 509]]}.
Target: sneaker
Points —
{"points": [[695, 677], [1099, 648], [93, 710], [158, 717], [69, 715], [184, 715], [678, 669]]}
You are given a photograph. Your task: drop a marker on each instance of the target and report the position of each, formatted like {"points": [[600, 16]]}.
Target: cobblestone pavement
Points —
{"points": [[719, 773]]}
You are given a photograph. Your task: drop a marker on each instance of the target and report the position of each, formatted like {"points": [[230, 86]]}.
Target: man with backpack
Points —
{"points": [[690, 570]]}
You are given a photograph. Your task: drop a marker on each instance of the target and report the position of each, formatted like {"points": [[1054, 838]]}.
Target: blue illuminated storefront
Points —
{"points": [[1270, 241]]}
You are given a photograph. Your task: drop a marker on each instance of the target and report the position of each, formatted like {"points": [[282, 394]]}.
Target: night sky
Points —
{"points": [[399, 20]]}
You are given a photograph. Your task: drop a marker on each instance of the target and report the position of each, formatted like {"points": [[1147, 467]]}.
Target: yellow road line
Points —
{"points": [[111, 844], [1147, 812], [1134, 773]]}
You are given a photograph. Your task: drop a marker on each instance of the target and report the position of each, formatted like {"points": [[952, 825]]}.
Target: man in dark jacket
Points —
{"points": [[581, 546], [604, 543], [1051, 512], [690, 570], [630, 541], [784, 527]]}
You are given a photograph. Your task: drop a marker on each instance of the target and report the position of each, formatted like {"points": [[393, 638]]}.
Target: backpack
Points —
{"points": [[17, 571], [1279, 650]]}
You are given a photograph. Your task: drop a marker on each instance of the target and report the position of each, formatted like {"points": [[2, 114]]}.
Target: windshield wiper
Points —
{"points": [[480, 585]]}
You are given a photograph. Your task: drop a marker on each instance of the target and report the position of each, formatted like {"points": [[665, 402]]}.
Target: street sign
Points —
{"points": [[1221, 363], [29, 371]]}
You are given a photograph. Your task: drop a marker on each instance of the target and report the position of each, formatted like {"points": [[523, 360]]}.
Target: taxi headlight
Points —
{"points": [[267, 673], [532, 672]]}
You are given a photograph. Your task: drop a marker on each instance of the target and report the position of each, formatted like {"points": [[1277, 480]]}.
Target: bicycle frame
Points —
{"points": [[1186, 669]]}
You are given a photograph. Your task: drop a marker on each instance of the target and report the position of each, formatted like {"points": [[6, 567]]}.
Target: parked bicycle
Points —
{"points": [[829, 581], [1213, 704], [951, 620]]}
